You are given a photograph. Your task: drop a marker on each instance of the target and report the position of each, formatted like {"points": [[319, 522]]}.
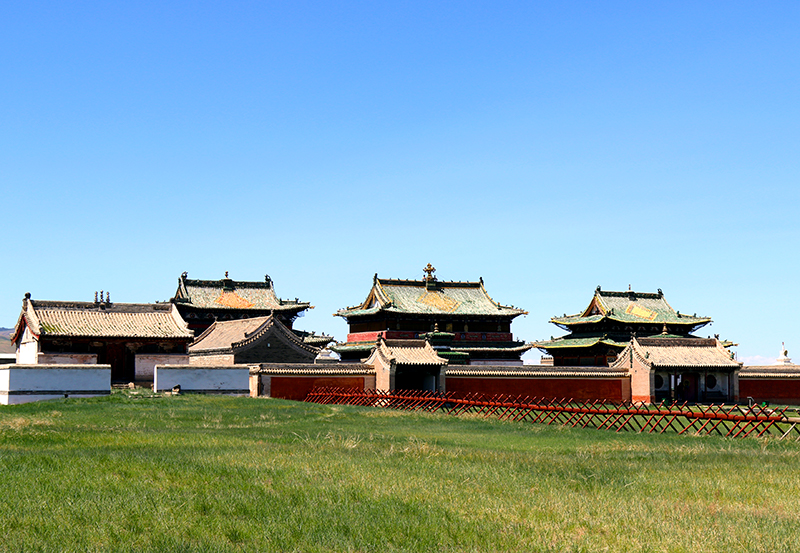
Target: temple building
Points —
{"points": [[477, 328], [201, 302], [602, 330], [252, 340], [131, 337], [407, 365], [692, 370]]}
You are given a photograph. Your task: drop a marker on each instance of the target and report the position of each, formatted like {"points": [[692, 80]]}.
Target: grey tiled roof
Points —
{"points": [[228, 336], [309, 369], [678, 353], [770, 371], [407, 352], [108, 320]]}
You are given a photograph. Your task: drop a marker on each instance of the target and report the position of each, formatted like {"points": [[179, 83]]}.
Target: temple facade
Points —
{"points": [[602, 330], [251, 340], [203, 302], [477, 328], [131, 337], [692, 370]]}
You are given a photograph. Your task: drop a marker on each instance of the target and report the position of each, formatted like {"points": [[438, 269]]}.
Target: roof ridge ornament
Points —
{"points": [[430, 269]]}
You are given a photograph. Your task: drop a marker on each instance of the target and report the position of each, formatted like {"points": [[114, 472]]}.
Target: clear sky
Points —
{"points": [[547, 147]]}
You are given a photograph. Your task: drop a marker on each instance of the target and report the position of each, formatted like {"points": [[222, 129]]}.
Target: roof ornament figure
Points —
{"points": [[430, 269], [226, 274], [185, 274]]}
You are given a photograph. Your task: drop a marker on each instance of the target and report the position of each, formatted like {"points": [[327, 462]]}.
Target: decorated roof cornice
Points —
{"points": [[266, 326], [429, 296], [227, 294], [629, 307]]}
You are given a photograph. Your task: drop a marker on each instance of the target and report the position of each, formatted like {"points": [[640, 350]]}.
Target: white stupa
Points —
{"points": [[783, 359]]}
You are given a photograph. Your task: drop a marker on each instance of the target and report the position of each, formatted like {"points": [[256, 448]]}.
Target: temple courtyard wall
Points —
{"points": [[27, 383], [24, 383]]}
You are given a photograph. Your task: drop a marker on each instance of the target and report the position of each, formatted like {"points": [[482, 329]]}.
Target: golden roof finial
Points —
{"points": [[430, 269]]}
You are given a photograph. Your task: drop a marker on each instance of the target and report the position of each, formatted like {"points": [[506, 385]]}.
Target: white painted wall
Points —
{"points": [[67, 359], [224, 380], [28, 349], [26, 383], [145, 364]]}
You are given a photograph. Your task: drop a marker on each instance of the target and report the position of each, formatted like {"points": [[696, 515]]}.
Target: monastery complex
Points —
{"points": [[227, 336]]}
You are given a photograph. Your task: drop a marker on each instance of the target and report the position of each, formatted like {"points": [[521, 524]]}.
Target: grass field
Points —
{"points": [[194, 473]]}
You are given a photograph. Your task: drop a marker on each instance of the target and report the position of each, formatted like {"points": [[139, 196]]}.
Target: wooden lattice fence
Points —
{"points": [[734, 421]]}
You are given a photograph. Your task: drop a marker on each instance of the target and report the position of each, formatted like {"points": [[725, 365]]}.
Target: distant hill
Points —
{"points": [[5, 343]]}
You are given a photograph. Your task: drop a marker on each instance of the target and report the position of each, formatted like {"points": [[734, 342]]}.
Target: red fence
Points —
{"points": [[725, 420]]}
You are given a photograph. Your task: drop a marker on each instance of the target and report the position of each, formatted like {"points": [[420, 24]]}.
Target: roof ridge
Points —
{"points": [[422, 283], [618, 294]]}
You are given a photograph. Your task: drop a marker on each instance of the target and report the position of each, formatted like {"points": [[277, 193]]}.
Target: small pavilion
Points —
{"points": [[694, 370]]}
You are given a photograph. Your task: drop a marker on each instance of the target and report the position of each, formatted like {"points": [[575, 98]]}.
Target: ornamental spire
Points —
{"points": [[430, 269]]}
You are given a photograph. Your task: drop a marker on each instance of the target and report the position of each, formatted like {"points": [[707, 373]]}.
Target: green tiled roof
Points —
{"points": [[419, 297], [630, 307], [232, 294], [585, 342], [359, 346]]}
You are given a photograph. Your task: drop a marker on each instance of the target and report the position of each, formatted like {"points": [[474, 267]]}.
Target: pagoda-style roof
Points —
{"points": [[101, 319], [405, 352], [313, 339], [236, 335], [429, 297], [678, 353], [228, 294], [630, 308], [578, 342]]}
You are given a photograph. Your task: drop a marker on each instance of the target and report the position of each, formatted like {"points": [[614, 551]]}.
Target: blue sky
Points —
{"points": [[547, 147]]}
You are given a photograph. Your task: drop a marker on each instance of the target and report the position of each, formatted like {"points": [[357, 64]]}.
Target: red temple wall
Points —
{"points": [[774, 390], [298, 387], [581, 389], [408, 335]]}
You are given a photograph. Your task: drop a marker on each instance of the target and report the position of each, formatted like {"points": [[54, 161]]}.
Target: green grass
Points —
{"points": [[194, 473]]}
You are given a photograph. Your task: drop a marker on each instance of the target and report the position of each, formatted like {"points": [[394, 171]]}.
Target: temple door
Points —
{"points": [[690, 387]]}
